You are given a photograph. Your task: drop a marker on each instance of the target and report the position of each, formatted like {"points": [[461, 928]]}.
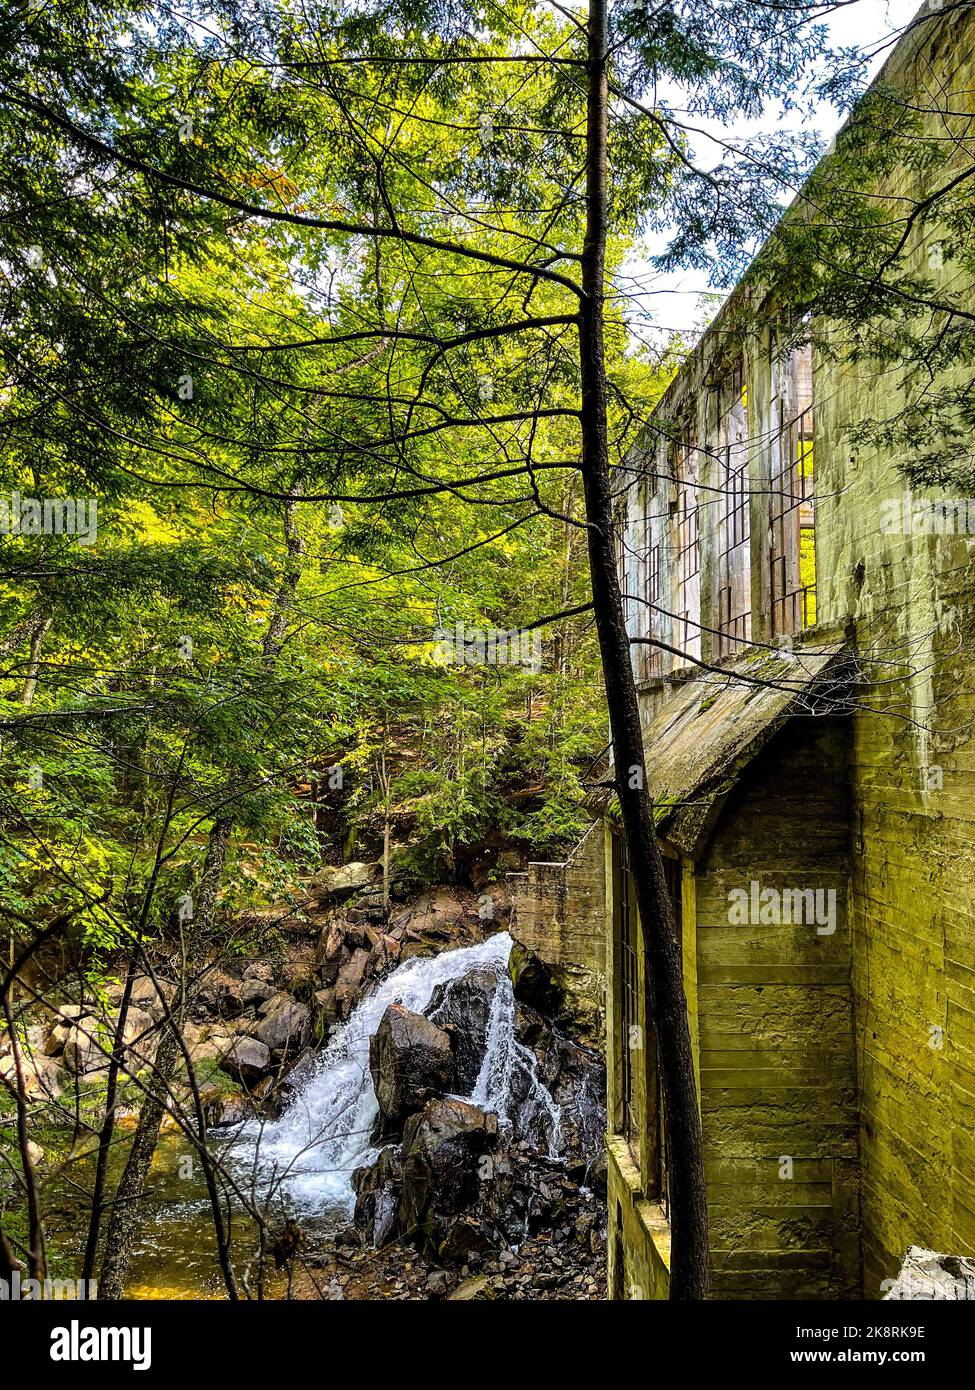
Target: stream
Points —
{"points": [[301, 1163]]}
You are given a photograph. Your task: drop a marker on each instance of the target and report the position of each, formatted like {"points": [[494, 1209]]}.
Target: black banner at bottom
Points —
{"points": [[64, 1339]]}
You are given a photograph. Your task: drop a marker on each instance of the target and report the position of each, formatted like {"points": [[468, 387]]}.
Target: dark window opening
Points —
{"points": [[627, 937]]}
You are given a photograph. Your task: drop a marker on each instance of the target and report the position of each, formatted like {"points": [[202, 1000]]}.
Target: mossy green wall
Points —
{"points": [[778, 1083], [854, 1053], [770, 1008], [912, 783]]}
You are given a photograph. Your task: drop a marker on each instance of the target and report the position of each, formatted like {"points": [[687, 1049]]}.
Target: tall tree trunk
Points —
{"points": [[667, 1002], [128, 1204], [34, 663]]}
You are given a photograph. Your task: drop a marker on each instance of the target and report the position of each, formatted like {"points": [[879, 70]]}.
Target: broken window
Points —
{"points": [[734, 600], [687, 596], [792, 505], [652, 654]]}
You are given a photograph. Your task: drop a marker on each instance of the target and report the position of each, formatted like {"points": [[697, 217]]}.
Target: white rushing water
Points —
{"points": [[312, 1150]]}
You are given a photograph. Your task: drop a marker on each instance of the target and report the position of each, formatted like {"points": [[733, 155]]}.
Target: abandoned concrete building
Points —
{"points": [[809, 753]]}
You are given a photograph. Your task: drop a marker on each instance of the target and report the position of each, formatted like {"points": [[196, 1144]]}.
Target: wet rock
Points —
{"points": [[247, 1059], [575, 1077], [410, 1059], [223, 1109], [443, 1148], [326, 1007], [377, 1189], [462, 1008], [566, 995]]}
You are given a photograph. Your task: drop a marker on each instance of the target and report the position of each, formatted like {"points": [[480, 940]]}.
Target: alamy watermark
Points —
{"points": [[50, 516], [920, 516], [474, 646], [19, 1290], [758, 906]]}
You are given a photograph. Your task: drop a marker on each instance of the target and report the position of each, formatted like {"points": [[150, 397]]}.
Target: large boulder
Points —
{"points": [[444, 1151], [224, 1109], [39, 1073], [141, 1037], [410, 1059], [206, 1042], [437, 915], [255, 992], [88, 1044], [927, 1275], [66, 1017], [87, 1049], [285, 1027], [339, 882], [462, 1008], [247, 1060]]}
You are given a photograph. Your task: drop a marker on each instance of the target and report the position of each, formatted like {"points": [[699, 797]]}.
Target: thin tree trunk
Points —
{"points": [[128, 1204], [667, 1002], [288, 583], [34, 663]]}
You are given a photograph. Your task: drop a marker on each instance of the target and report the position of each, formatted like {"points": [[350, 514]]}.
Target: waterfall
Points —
{"points": [[312, 1149], [508, 1082]]}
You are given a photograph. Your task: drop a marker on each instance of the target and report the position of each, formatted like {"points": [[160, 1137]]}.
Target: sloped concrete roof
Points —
{"points": [[713, 726]]}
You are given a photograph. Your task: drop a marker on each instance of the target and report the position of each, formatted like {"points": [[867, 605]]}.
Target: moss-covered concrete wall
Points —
{"points": [[559, 908], [857, 1048], [770, 1007], [910, 599], [778, 1073]]}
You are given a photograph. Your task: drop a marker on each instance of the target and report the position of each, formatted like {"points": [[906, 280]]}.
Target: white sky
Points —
{"points": [[680, 301]]}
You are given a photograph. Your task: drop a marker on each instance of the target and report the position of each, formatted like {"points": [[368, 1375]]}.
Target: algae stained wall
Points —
{"points": [[778, 1075], [910, 596]]}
